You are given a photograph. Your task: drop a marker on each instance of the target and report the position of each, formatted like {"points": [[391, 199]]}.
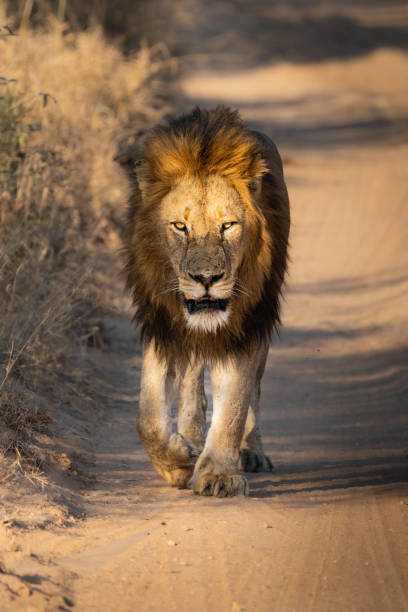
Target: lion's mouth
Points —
{"points": [[205, 303]]}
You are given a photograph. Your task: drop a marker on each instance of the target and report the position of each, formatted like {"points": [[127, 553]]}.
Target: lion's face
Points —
{"points": [[205, 228]]}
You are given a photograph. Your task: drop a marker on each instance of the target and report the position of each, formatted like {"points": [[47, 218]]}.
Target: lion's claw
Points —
{"points": [[221, 485]]}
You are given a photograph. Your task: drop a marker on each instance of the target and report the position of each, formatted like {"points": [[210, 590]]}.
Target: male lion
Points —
{"points": [[206, 257]]}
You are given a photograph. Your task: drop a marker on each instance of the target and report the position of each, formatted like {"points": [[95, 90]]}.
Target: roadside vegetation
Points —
{"points": [[69, 102]]}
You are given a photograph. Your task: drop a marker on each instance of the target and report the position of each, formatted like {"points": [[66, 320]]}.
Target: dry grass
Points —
{"points": [[67, 100]]}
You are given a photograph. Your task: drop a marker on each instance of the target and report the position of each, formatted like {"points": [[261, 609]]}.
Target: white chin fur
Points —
{"points": [[207, 320]]}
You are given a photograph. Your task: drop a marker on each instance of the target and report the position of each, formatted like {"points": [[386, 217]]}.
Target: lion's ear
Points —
{"points": [[255, 187], [129, 154], [140, 176]]}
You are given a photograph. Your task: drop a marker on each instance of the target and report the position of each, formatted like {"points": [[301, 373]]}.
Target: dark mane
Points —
{"points": [[207, 142]]}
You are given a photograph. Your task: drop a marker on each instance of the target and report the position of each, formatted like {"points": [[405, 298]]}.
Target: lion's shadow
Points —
{"points": [[324, 483]]}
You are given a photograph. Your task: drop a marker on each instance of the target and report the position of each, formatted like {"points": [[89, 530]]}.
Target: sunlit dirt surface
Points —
{"points": [[328, 529]]}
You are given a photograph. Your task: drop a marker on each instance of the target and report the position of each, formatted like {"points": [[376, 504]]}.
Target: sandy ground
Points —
{"points": [[328, 530]]}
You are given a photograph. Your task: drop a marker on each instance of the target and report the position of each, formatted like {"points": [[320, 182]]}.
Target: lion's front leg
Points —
{"points": [[216, 472], [172, 454]]}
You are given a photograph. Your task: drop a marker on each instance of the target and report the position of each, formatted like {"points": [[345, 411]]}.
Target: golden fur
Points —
{"points": [[197, 146], [230, 152]]}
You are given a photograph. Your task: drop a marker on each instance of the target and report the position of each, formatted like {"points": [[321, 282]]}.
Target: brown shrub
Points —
{"points": [[66, 101]]}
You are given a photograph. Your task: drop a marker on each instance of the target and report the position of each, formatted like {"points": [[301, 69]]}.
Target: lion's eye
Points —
{"points": [[181, 227], [226, 226]]}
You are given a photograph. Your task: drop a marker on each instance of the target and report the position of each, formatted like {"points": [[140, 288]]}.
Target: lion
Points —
{"points": [[206, 255]]}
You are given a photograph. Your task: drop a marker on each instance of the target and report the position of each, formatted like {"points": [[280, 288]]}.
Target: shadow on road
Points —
{"points": [[246, 33], [335, 407], [240, 35], [332, 480]]}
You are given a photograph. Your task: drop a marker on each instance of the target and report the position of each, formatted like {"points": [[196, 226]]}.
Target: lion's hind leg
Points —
{"points": [[192, 404], [251, 455]]}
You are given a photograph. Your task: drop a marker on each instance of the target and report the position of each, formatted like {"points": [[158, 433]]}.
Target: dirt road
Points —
{"points": [[328, 530]]}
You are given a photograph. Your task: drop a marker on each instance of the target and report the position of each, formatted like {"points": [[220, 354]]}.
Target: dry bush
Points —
{"points": [[66, 101], [128, 20]]}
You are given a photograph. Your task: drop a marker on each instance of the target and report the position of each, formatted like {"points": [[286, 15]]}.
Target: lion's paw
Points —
{"points": [[220, 485], [254, 461], [176, 477], [175, 462], [180, 451]]}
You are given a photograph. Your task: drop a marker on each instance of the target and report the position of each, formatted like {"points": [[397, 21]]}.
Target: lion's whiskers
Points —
{"points": [[172, 289], [239, 289]]}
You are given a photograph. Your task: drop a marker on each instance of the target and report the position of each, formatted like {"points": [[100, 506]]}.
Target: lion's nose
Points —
{"points": [[206, 279]]}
